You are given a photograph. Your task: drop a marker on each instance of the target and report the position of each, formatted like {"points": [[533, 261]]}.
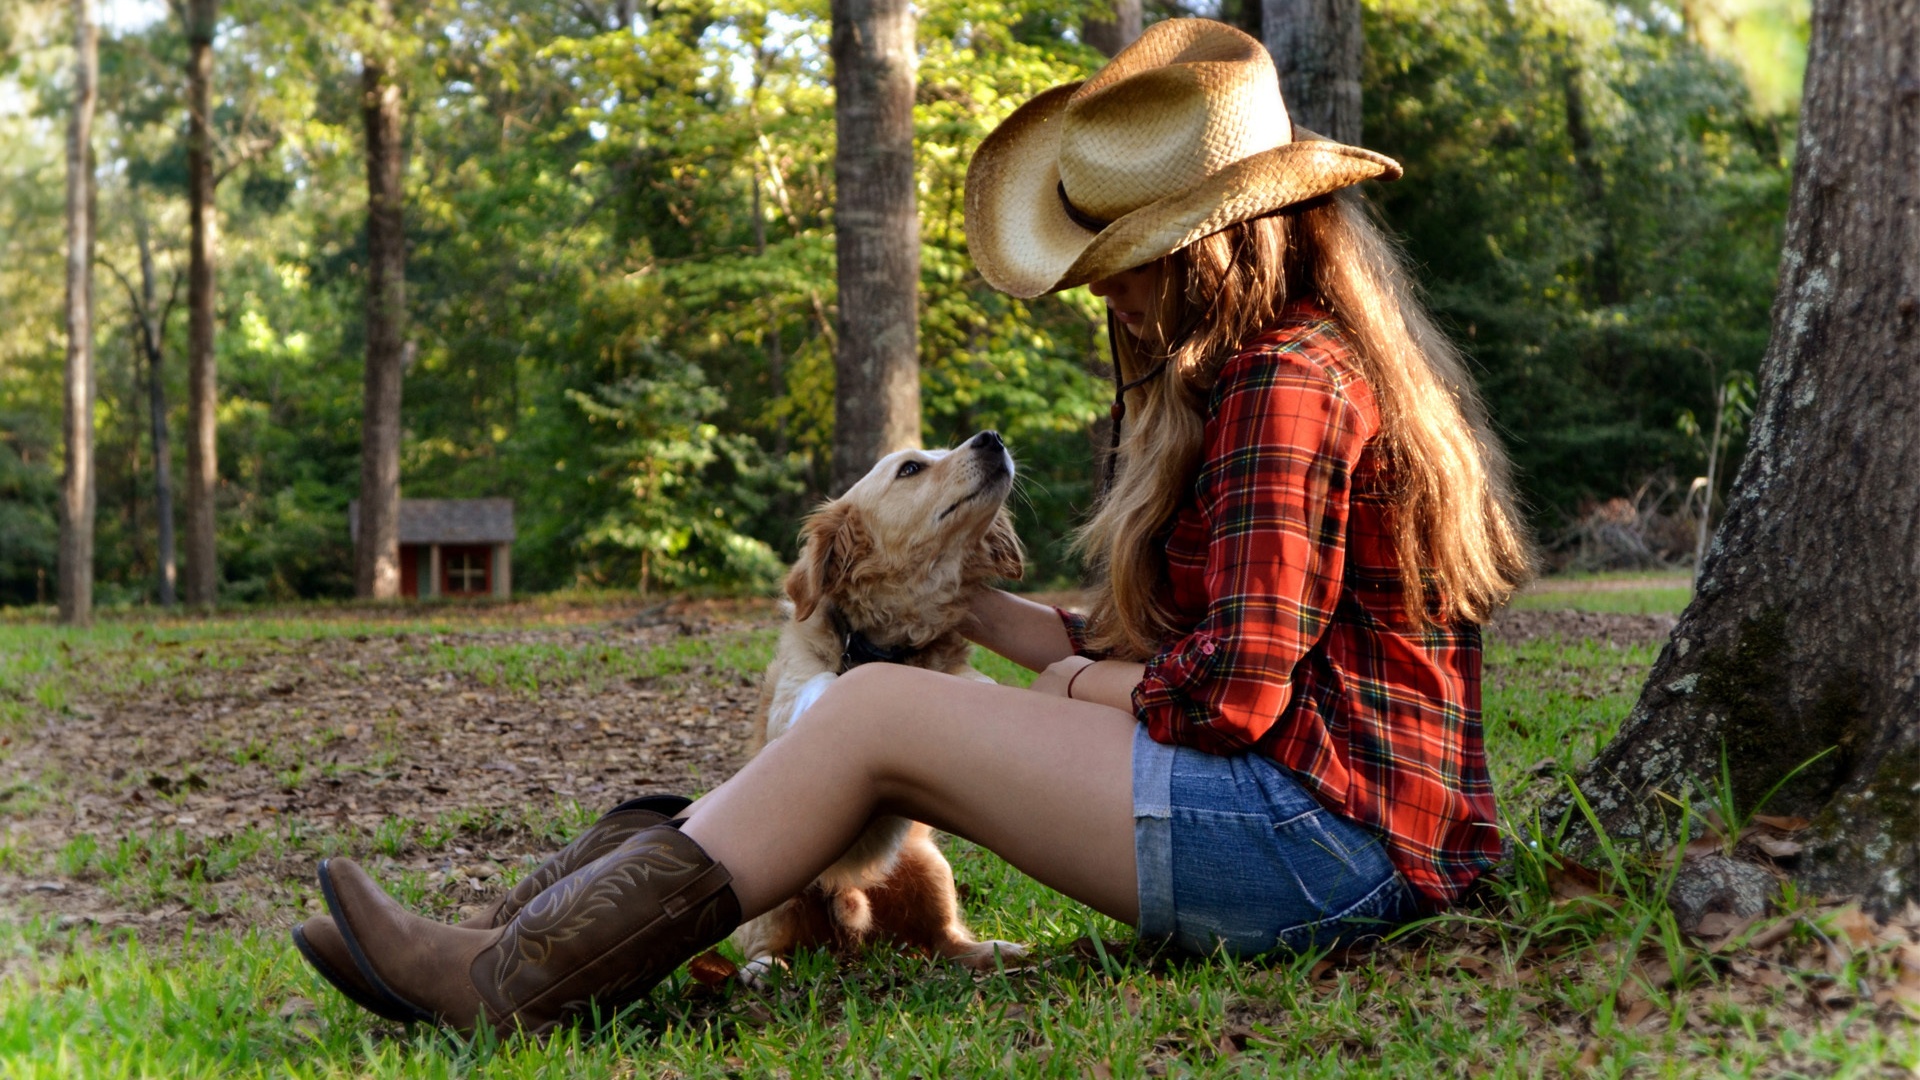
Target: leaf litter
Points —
{"points": [[340, 736]]}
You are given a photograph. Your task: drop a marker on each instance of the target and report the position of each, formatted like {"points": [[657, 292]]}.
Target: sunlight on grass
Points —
{"points": [[229, 1000], [1622, 594]]}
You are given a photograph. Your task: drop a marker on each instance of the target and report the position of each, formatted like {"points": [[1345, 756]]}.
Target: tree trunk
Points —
{"points": [[153, 329], [203, 469], [77, 497], [876, 236], [1593, 183], [1112, 35], [1317, 46], [1804, 636], [377, 560]]}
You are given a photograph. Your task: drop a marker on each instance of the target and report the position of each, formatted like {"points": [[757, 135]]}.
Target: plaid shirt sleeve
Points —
{"points": [[1272, 499], [1076, 627]]}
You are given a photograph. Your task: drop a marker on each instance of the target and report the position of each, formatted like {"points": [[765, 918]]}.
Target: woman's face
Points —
{"points": [[1133, 295]]}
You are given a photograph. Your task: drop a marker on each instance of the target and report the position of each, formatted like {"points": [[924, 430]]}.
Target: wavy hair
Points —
{"points": [[1457, 533]]}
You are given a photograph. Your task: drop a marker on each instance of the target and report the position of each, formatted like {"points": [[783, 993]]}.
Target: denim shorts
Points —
{"points": [[1234, 854]]}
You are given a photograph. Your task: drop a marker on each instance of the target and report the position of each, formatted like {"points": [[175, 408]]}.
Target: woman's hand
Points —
{"points": [[1027, 633], [1058, 675]]}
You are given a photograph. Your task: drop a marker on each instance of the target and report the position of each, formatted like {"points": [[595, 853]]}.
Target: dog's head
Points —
{"points": [[920, 528]]}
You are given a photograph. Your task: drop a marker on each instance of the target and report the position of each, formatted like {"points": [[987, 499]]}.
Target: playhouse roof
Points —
{"points": [[447, 521]]}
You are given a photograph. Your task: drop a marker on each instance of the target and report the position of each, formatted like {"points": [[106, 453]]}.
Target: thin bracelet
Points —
{"points": [[1076, 678]]}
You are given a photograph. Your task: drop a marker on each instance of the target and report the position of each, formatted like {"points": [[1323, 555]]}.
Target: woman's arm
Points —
{"points": [[1029, 634], [1082, 678]]}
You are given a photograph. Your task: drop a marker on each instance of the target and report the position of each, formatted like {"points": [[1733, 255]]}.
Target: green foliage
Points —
{"points": [[29, 508], [620, 276], [1596, 206], [681, 486]]}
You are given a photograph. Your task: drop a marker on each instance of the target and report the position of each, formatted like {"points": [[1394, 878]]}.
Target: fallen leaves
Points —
{"points": [[352, 733]]}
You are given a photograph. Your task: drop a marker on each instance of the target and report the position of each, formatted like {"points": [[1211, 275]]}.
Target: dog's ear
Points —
{"points": [[836, 539], [1003, 549]]}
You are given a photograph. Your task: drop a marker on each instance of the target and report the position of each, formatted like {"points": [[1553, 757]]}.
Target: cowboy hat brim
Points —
{"points": [[1026, 245]]}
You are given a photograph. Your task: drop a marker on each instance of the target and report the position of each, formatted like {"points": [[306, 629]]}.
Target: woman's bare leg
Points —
{"points": [[1044, 782]]}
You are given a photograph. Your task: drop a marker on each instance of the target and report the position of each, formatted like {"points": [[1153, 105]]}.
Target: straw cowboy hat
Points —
{"points": [[1179, 136]]}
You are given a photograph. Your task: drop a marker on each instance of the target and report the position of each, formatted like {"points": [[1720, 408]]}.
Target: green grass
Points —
{"points": [[235, 1000], [1624, 594]]}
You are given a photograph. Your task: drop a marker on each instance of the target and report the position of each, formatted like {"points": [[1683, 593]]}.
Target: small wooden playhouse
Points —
{"points": [[452, 547]]}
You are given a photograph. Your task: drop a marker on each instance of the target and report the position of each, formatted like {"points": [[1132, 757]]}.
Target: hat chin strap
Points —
{"points": [[1119, 408]]}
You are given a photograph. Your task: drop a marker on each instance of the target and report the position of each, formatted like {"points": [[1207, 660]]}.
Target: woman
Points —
{"points": [[1265, 734]]}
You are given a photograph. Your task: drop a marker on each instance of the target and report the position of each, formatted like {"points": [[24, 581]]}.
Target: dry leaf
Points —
{"points": [[1720, 924], [1784, 824], [1856, 925], [1478, 965], [1777, 847], [1772, 935], [1907, 965], [1573, 881], [711, 969], [1705, 846]]}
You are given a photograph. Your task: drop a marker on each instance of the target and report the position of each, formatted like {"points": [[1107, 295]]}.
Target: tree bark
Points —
{"points": [[377, 559], [1112, 35], [876, 236], [203, 468], [78, 497], [153, 328], [1804, 636], [1317, 46]]}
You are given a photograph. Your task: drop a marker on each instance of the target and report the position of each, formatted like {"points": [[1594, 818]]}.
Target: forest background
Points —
{"points": [[621, 285]]}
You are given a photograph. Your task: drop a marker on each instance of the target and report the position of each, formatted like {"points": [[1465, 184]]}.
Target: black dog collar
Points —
{"points": [[856, 648]]}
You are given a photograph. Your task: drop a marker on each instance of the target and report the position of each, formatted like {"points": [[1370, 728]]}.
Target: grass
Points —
{"points": [[1525, 983], [1612, 593]]}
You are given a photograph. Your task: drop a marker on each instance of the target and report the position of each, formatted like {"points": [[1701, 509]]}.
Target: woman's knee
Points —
{"points": [[873, 692]]}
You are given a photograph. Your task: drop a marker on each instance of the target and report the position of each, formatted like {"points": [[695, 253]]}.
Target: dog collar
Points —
{"points": [[856, 648]]}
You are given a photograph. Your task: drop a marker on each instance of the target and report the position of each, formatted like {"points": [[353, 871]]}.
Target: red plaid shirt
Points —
{"points": [[1282, 564]]}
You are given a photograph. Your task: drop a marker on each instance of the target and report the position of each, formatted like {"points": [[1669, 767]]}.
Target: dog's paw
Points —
{"points": [[991, 955], [757, 973]]}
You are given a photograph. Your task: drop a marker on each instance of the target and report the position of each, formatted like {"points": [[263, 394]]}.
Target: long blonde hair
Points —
{"points": [[1458, 540]]}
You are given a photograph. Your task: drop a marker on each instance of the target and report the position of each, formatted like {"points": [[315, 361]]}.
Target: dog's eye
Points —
{"points": [[908, 468]]}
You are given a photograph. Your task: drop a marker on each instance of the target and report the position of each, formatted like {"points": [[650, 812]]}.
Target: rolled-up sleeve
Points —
{"points": [[1272, 499], [1075, 625]]}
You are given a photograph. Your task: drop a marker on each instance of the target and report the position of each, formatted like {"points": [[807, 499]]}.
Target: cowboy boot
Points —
{"points": [[598, 939], [319, 940]]}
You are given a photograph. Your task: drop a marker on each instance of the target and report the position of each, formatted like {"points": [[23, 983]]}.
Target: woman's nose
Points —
{"points": [[1103, 287]]}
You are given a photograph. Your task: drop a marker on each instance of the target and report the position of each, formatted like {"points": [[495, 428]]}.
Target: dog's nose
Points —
{"points": [[988, 442]]}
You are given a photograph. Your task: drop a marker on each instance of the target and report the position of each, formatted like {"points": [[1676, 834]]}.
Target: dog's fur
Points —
{"points": [[898, 557]]}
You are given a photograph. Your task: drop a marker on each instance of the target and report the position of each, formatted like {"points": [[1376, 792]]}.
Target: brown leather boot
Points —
{"points": [[599, 938], [320, 942]]}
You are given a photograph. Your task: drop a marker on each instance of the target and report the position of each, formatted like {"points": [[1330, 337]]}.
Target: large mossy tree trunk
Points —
{"points": [[876, 225], [78, 495], [1804, 636], [203, 399], [1318, 46], [377, 554]]}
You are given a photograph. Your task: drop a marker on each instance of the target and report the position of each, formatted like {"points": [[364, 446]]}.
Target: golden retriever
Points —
{"points": [[885, 574]]}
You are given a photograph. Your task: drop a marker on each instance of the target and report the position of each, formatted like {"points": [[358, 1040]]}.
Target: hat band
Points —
{"points": [[1078, 216]]}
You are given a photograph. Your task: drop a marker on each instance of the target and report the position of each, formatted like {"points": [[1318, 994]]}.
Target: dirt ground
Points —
{"points": [[321, 744], [305, 739]]}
